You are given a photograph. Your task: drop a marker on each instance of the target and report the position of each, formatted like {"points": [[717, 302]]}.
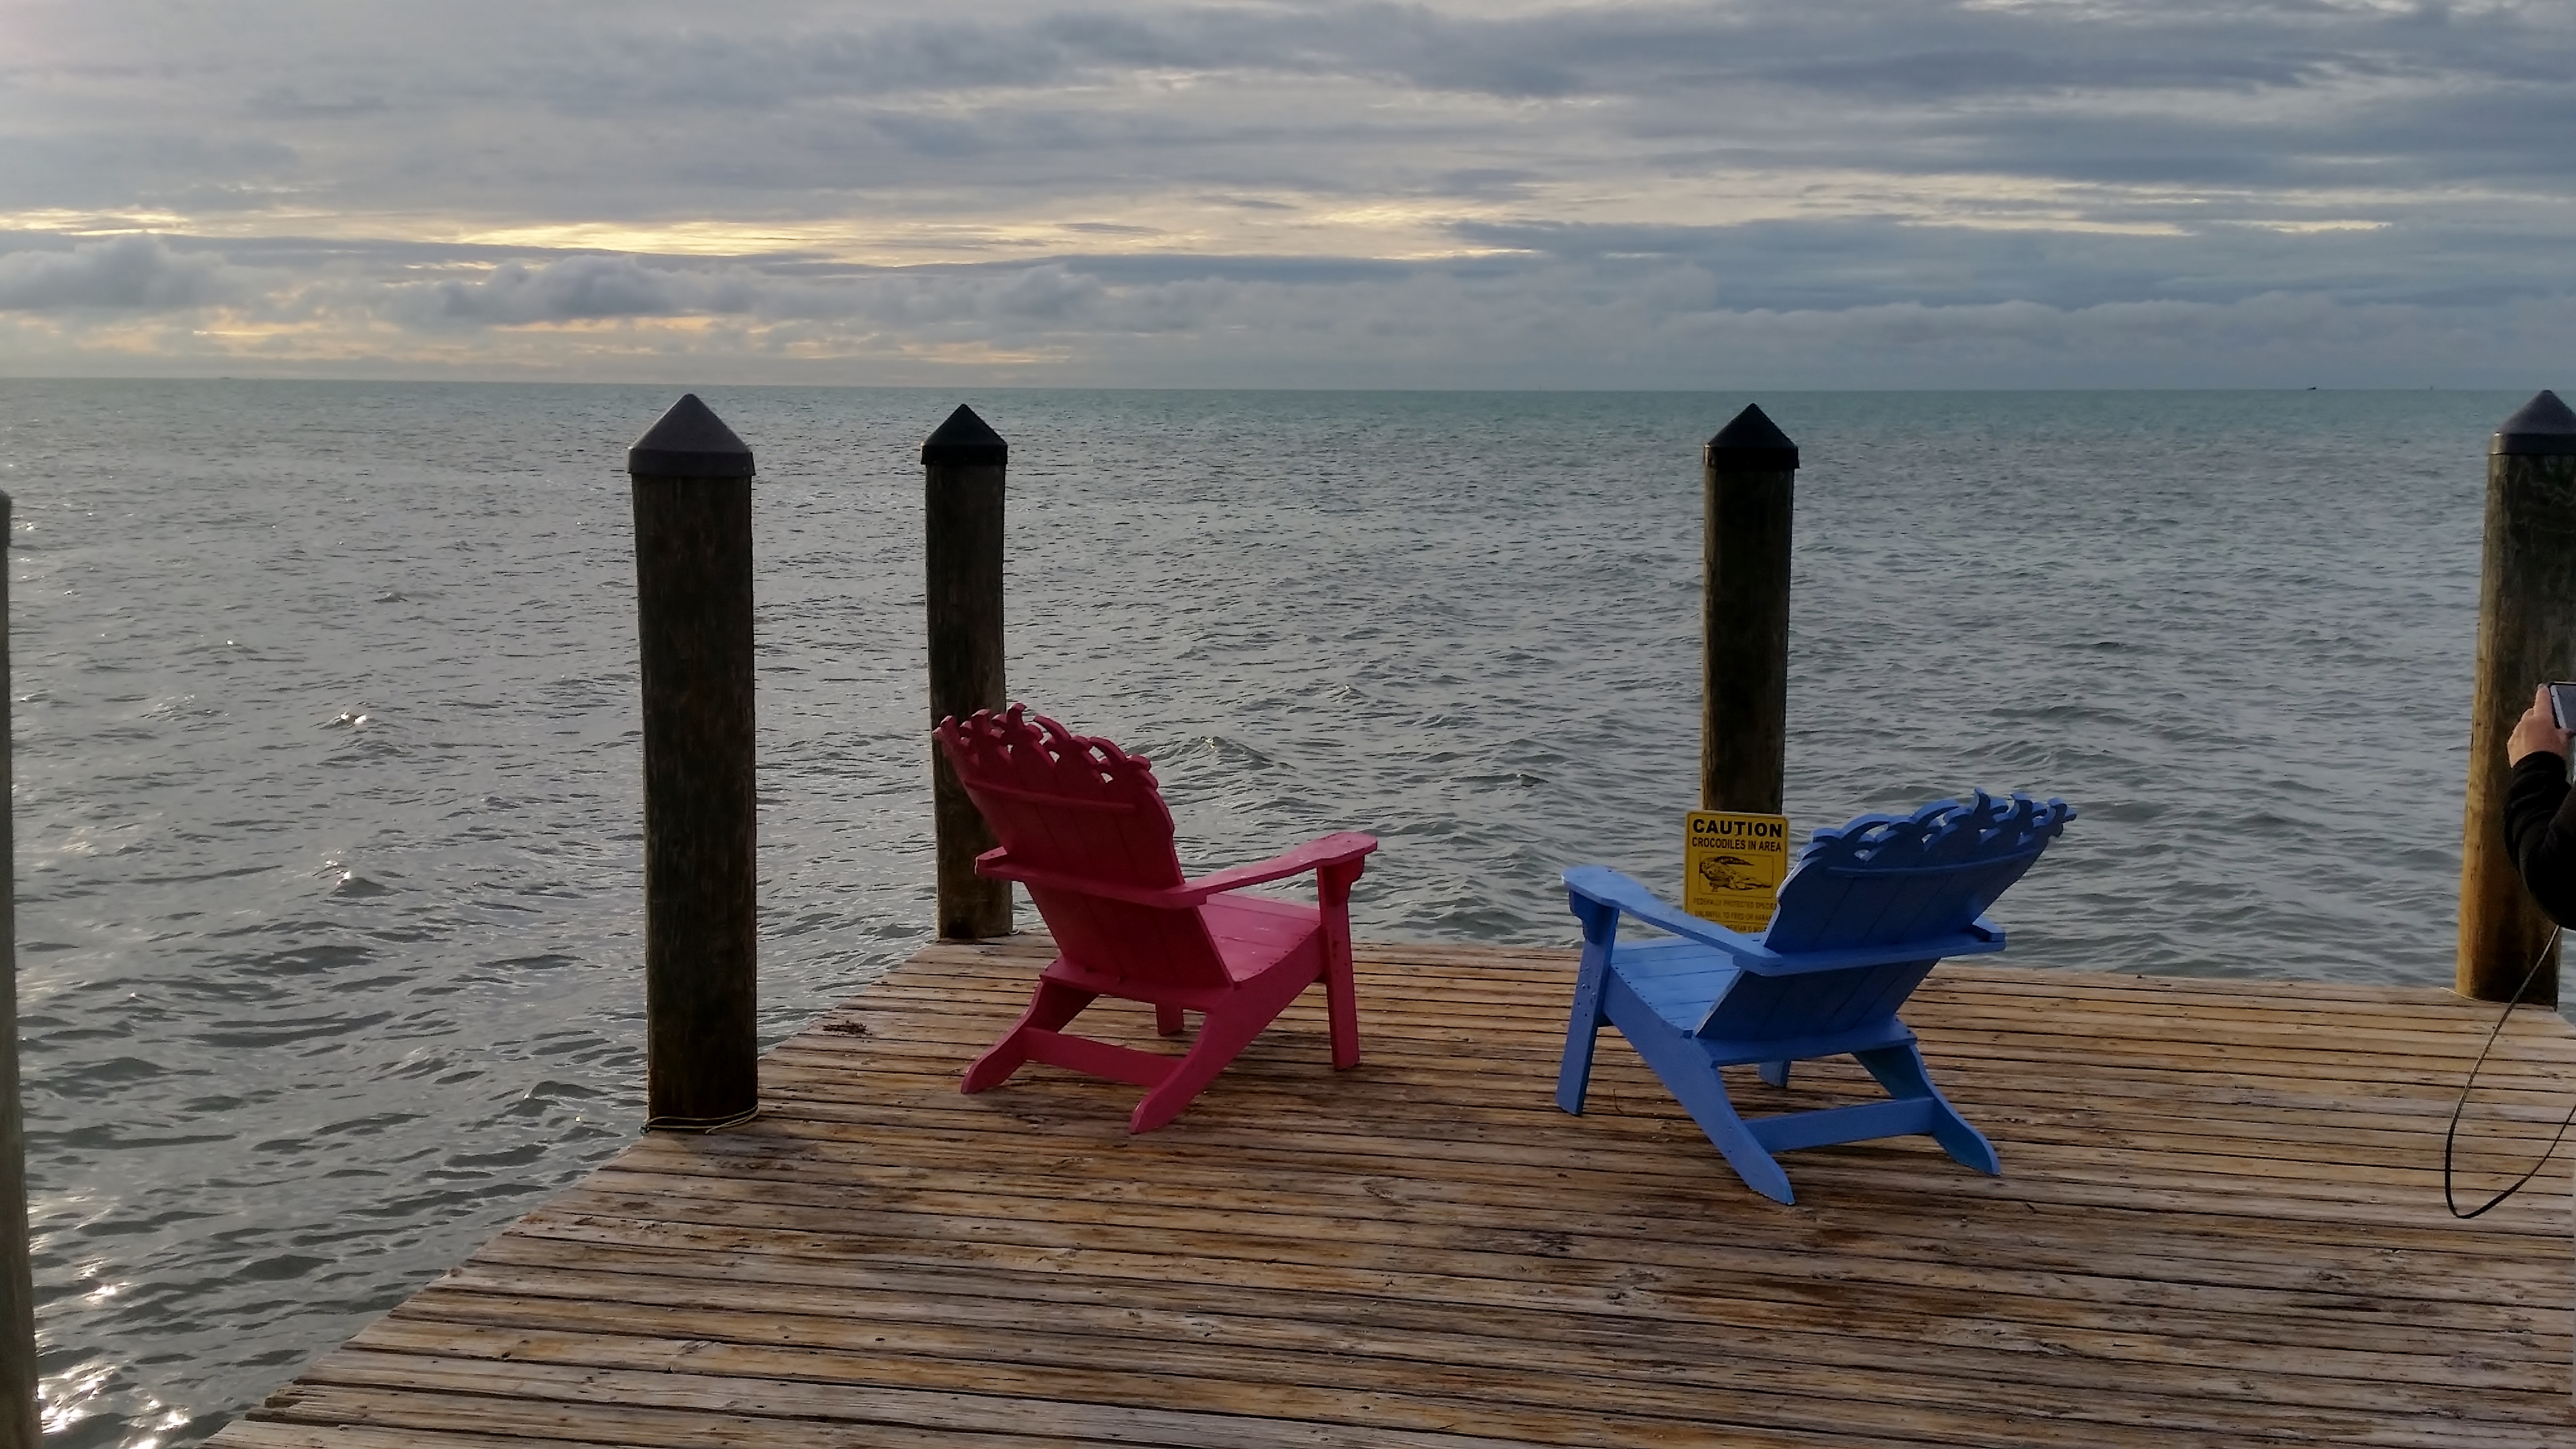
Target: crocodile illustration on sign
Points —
{"points": [[1732, 873]]}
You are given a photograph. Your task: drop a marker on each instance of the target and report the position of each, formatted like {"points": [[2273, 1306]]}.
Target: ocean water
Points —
{"points": [[328, 844]]}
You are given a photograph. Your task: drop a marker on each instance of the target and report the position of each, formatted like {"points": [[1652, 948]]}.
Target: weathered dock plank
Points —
{"points": [[2220, 1219]]}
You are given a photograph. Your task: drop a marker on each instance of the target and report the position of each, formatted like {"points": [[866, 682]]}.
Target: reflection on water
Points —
{"points": [[328, 834]]}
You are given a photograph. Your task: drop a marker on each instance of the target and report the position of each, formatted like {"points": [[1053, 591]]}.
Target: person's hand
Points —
{"points": [[2537, 732]]}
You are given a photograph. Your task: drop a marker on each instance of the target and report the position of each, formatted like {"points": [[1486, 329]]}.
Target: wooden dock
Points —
{"points": [[2220, 1221]]}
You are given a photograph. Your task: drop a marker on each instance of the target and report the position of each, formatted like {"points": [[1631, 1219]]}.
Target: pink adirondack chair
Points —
{"points": [[1083, 826]]}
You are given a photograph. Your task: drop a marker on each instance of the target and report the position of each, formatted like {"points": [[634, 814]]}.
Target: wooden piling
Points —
{"points": [[2526, 637], [18, 1420], [692, 487], [1749, 473], [962, 465]]}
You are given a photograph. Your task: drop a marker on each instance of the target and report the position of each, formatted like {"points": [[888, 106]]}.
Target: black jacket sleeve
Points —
{"points": [[2540, 831]]}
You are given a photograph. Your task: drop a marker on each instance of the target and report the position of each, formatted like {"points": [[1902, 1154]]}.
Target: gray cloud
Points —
{"points": [[1979, 73], [1637, 190], [1059, 101], [575, 288], [126, 273], [1875, 261], [287, 103], [792, 95], [1535, 323], [1572, 306], [118, 163], [1881, 49]]}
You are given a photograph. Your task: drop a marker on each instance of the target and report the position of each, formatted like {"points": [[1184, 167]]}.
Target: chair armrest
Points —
{"points": [[1335, 849], [1608, 887], [1970, 942], [1347, 846]]}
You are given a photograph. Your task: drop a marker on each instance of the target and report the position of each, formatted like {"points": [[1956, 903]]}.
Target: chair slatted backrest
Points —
{"points": [[1883, 880], [1080, 806], [1816, 1003]]}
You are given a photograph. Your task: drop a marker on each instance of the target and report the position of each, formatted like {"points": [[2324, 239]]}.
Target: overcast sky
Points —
{"points": [[1513, 193]]}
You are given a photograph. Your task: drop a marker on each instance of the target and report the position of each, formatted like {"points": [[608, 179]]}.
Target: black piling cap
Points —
{"points": [[689, 442], [964, 438], [2544, 428], [1751, 444]]}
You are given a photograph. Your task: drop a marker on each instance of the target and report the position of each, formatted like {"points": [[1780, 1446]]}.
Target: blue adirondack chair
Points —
{"points": [[1871, 908]]}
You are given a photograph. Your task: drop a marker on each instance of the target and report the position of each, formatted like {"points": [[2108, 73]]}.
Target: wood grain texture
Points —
{"points": [[1744, 636], [2526, 637], [701, 798], [962, 550], [2219, 1222]]}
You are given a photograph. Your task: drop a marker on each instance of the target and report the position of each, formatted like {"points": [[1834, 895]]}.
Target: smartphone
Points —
{"points": [[2562, 703]]}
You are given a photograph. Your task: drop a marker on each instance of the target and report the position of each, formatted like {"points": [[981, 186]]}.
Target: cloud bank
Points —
{"points": [[1520, 193]]}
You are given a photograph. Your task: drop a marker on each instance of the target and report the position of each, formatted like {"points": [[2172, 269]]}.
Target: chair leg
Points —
{"points": [[1776, 1073], [1694, 1081], [1341, 990], [1342, 1007], [1583, 1025], [1053, 1006], [1901, 1071], [1167, 1020], [1703, 1095], [1222, 1037]]}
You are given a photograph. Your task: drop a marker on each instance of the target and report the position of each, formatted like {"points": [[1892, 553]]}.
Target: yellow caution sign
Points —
{"points": [[1732, 866]]}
